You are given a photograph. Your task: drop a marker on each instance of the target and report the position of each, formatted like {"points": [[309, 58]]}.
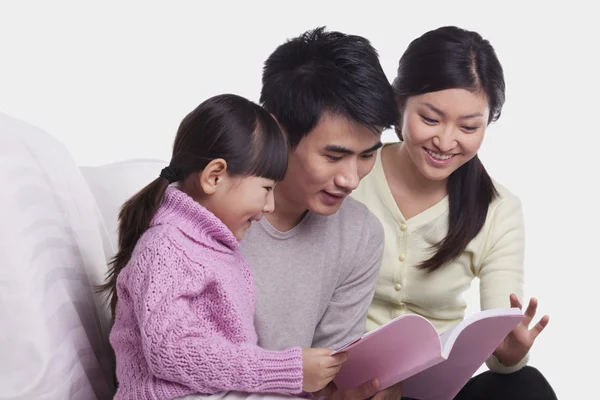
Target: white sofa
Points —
{"points": [[58, 226], [57, 231]]}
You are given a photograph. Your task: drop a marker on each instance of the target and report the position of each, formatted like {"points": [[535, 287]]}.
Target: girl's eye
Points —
{"points": [[470, 128], [269, 188]]}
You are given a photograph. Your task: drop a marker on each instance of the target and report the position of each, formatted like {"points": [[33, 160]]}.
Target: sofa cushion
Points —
{"points": [[113, 184], [54, 329]]}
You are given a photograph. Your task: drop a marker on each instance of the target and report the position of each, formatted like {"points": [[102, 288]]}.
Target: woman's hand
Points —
{"points": [[517, 344]]}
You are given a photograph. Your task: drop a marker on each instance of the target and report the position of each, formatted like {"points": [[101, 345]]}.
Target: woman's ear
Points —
{"points": [[213, 175], [398, 126]]}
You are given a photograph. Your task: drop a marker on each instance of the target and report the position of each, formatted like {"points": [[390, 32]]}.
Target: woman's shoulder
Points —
{"points": [[506, 199], [503, 231], [504, 215]]}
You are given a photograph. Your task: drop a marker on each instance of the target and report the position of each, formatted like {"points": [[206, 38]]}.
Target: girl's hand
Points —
{"points": [[319, 368]]}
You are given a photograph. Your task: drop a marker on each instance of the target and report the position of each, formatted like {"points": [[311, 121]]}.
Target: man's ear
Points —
{"points": [[213, 175]]}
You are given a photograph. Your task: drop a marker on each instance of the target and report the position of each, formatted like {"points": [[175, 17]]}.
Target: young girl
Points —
{"points": [[181, 292]]}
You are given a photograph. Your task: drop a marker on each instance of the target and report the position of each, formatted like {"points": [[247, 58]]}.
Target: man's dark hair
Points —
{"points": [[319, 72]]}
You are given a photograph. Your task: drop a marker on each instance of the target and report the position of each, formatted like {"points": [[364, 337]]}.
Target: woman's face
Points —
{"points": [[443, 130]]}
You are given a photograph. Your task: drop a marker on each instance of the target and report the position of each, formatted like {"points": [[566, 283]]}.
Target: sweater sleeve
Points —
{"points": [[501, 271], [345, 317], [178, 322]]}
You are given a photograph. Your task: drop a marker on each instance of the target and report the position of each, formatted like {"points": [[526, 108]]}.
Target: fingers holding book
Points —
{"points": [[319, 367]]}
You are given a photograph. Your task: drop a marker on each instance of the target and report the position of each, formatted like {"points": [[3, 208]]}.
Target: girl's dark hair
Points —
{"points": [[225, 126], [451, 58]]}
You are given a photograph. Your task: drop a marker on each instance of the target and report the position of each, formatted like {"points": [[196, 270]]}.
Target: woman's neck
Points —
{"points": [[399, 166], [412, 191]]}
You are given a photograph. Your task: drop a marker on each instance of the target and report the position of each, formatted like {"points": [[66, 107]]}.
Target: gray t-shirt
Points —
{"points": [[314, 283]]}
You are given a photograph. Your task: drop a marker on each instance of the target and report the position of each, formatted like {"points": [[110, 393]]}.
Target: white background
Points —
{"points": [[112, 80]]}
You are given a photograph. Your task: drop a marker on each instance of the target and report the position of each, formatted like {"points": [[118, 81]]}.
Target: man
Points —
{"points": [[316, 258]]}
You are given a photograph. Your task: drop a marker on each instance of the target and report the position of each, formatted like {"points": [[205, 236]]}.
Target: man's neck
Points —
{"points": [[288, 212]]}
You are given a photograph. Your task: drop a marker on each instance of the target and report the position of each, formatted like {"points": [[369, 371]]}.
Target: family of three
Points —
{"points": [[281, 231]]}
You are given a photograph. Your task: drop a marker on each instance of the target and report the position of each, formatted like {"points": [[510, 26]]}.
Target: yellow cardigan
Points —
{"points": [[495, 256]]}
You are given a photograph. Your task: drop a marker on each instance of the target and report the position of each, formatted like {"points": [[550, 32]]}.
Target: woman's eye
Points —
{"points": [[470, 128], [429, 121]]}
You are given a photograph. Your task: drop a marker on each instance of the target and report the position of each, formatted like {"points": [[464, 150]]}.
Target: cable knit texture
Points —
{"points": [[184, 319]]}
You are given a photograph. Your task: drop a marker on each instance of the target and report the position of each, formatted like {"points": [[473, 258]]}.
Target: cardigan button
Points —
{"points": [[401, 257], [403, 227], [398, 287]]}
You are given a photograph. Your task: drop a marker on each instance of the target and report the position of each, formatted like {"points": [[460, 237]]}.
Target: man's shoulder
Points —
{"points": [[356, 214], [353, 206], [351, 224]]}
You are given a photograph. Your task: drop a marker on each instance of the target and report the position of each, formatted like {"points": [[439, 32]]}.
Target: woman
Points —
{"points": [[446, 221]]}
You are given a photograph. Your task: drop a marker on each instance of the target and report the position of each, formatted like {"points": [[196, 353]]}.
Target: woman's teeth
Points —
{"points": [[439, 156]]}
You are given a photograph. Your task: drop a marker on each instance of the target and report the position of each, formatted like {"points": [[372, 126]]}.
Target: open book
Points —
{"points": [[431, 367]]}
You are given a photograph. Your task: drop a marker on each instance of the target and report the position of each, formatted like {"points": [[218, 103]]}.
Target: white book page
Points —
{"points": [[444, 337], [449, 337]]}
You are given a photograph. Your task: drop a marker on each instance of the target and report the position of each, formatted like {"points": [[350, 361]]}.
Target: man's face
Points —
{"points": [[329, 162]]}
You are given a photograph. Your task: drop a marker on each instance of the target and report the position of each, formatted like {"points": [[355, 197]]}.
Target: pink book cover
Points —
{"points": [[431, 367]]}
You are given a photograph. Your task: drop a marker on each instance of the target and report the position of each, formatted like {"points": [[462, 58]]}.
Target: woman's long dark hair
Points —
{"points": [[450, 58], [225, 126]]}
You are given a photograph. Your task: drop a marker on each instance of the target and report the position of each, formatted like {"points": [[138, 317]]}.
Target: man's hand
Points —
{"points": [[368, 390], [391, 393], [362, 392]]}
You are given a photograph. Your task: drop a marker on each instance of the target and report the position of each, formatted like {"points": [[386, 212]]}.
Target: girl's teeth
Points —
{"points": [[438, 156]]}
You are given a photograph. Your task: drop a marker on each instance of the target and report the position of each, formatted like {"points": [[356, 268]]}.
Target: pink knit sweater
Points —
{"points": [[184, 318]]}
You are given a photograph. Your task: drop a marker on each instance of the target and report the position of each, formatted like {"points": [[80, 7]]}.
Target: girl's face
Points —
{"points": [[241, 200], [443, 130]]}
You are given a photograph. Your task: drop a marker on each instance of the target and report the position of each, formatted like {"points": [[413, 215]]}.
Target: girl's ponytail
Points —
{"points": [[225, 126], [134, 220]]}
